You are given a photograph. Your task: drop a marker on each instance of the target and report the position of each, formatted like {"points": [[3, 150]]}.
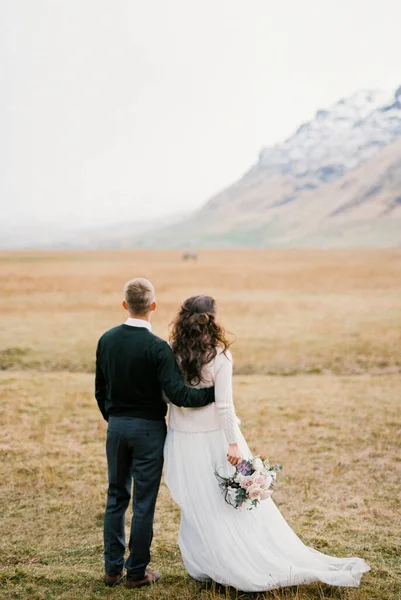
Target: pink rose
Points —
{"points": [[255, 492], [265, 494], [259, 480], [246, 482]]}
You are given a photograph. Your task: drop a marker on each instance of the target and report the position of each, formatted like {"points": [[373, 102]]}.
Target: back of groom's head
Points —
{"points": [[139, 295]]}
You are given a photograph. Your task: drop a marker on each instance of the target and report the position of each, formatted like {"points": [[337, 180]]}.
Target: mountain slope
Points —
{"points": [[335, 182]]}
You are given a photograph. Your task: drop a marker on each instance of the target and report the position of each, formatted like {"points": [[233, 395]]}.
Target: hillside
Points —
{"points": [[335, 182]]}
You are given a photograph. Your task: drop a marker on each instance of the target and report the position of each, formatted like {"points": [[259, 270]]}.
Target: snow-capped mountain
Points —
{"points": [[337, 140], [335, 182]]}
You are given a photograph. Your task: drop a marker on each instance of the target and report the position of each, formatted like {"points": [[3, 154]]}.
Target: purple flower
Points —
{"points": [[245, 467]]}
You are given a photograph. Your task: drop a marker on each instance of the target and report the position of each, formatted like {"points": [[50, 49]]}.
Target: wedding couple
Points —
{"points": [[136, 374]]}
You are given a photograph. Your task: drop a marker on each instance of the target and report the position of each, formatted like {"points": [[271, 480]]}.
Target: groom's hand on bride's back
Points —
{"points": [[172, 383]]}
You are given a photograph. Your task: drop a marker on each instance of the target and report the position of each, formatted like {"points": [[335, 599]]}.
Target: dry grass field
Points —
{"points": [[317, 386]]}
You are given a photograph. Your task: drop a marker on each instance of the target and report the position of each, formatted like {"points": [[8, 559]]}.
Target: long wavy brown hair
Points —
{"points": [[195, 337]]}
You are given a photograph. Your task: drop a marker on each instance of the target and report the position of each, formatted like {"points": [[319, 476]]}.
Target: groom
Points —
{"points": [[133, 366]]}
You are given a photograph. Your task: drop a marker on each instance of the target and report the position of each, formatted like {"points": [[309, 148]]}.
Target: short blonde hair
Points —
{"points": [[139, 294]]}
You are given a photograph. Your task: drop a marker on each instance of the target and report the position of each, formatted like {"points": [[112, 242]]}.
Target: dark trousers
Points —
{"points": [[134, 449]]}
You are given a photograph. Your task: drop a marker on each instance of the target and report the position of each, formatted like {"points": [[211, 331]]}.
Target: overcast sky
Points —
{"points": [[116, 109]]}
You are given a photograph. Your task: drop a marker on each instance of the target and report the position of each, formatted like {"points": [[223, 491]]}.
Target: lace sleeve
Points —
{"points": [[223, 390]]}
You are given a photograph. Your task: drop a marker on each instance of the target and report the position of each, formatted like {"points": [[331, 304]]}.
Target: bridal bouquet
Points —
{"points": [[252, 482]]}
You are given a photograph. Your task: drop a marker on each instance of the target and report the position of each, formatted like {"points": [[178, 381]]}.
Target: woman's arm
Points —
{"points": [[223, 390]]}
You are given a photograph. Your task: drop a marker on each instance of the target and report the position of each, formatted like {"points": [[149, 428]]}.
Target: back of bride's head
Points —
{"points": [[196, 336], [199, 305]]}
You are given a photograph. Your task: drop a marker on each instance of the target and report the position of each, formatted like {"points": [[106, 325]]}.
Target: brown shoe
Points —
{"points": [[150, 578], [111, 580]]}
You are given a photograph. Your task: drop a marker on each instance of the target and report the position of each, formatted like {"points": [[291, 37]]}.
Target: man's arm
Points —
{"points": [[172, 383], [100, 385]]}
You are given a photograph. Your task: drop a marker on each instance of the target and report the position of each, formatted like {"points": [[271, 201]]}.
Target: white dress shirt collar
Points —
{"points": [[138, 323]]}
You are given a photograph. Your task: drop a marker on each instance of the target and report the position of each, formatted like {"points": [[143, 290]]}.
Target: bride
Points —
{"points": [[253, 550]]}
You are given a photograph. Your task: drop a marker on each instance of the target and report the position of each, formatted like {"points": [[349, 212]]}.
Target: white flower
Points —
{"points": [[257, 464], [232, 494], [247, 504], [268, 481]]}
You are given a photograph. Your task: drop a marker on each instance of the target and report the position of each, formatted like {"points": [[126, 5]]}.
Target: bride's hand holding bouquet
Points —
{"points": [[252, 482]]}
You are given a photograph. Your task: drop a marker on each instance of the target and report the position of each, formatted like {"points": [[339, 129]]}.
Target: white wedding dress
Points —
{"points": [[250, 550]]}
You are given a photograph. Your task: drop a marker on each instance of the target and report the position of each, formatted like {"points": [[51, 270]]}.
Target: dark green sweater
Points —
{"points": [[133, 366]]}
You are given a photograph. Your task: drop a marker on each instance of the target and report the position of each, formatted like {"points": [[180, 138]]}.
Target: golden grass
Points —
{"points": [[330, 318], [339, 490], [292, 311]]}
